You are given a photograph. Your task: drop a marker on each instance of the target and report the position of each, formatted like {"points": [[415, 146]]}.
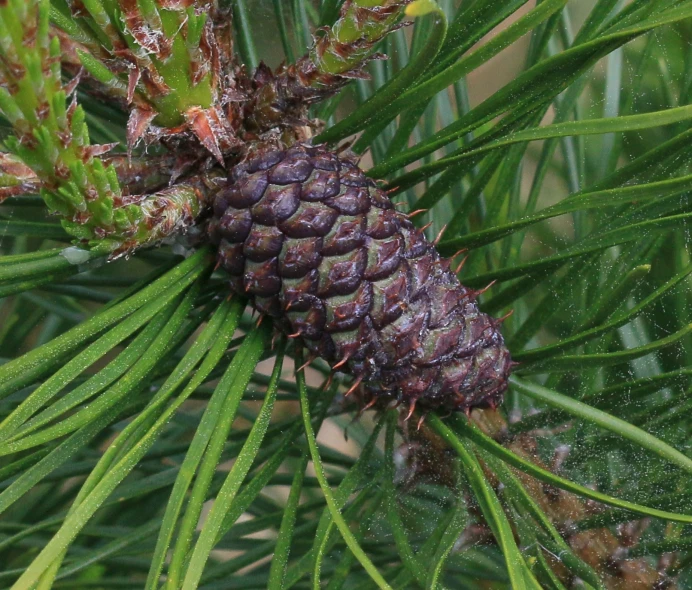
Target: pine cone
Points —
{"points": [[320, 248]]}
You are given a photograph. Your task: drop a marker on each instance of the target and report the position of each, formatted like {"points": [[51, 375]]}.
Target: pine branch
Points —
{"points": [[52, 139], [338, 56]]}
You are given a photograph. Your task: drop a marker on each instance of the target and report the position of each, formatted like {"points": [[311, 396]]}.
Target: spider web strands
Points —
{"points": [[542, 83], [484, 441], [544, 531], [520, 574], [608, 398], [538, 354], [607, 421]]}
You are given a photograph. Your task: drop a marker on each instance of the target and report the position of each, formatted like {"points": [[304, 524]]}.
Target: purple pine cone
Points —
{"points": [[319, 247]]}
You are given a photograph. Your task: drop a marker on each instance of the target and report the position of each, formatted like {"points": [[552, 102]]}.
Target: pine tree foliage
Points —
{"points": [[155, 433]]}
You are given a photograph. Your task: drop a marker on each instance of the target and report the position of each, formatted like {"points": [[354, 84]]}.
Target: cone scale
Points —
{"points": [[319, 247]]}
